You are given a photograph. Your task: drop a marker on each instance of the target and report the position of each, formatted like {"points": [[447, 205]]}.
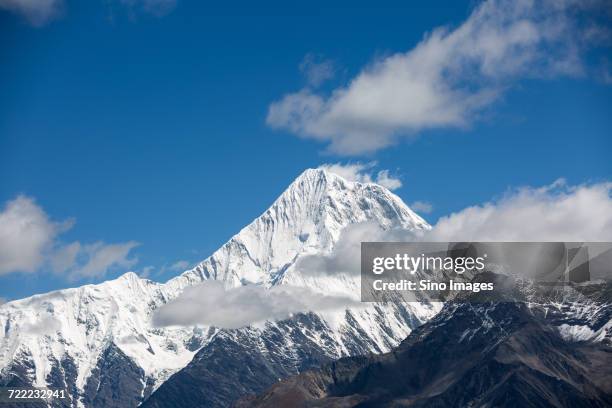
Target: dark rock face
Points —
{"points": [[471, 354], [63, 375], [18, 375], [243, 362], [501, 354], [237, 363], [116, 381]]}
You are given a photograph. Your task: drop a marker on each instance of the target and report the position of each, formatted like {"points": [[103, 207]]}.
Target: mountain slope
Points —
{"points": [[219, 373], [307, 218], [95, 337], [501, 354]]}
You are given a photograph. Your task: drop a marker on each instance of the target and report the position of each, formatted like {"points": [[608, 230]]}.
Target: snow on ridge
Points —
{"points": [[307, 218]]}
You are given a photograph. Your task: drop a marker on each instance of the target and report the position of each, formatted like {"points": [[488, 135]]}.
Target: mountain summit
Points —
{"points": [[307, 218]]}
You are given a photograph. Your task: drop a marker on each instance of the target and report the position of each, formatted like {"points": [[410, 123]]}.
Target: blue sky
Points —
{"points": [[154, 127]]}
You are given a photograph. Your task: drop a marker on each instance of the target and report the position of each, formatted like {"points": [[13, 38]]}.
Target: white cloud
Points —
{"points": [[316, 69], [447, 80], [346, 255], [26, 235], [362, 173], [422, 207], [178, 266], [211, 304], [147, 271], [64, 257], [557, 212], [384, 179], [98, 258], [181, 265], [29, 242], [37, 12]]}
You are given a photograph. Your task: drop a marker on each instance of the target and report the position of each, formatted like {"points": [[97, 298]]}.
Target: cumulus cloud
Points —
{"points": [[362, 173], [422, 207], [37, 12], [212, 305], [446, 81], [346, 254], [557, 212], [26, 235], [316, 69], [29, 241]]}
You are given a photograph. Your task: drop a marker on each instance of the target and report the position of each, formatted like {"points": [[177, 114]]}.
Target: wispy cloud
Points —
{"points": [[146, 272], [422, 207], [447, 80], [317, 69], [155, 7], [345, 258], [30, 241], [363, 173], [40, 12], [37, 12], [180, 265], [212, 305], [97, 259]]}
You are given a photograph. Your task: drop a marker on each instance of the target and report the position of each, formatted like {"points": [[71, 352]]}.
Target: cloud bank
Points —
{"points": [[557, 212], [211, 304], [30, 241], [362, 173], [447, 80]]}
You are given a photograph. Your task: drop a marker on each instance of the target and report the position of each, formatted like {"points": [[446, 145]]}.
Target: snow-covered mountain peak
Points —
{"points": [[307, 218], [66, 335]]}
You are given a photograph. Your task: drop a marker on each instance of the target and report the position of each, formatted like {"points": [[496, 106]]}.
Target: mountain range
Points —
{"points": [[474, 353], [100, 343]]}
